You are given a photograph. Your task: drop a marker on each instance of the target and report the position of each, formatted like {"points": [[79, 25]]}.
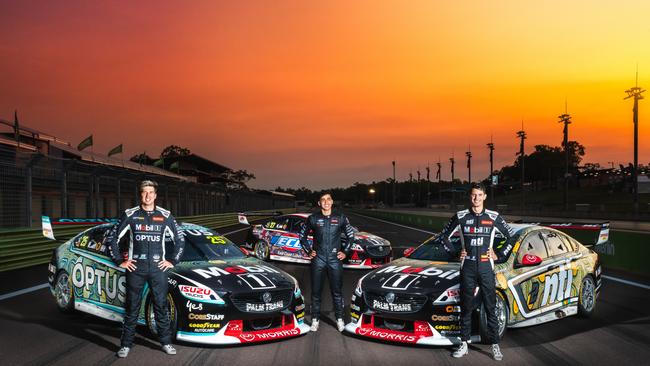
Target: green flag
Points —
{"points": [[88, 141], [116, 150], [159, 162]]}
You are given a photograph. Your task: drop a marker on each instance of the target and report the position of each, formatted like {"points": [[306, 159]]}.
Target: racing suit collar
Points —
{"points": [[471, 209]]}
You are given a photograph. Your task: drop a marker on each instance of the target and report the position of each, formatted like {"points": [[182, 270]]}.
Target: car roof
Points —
{"points": [[302, 215]]}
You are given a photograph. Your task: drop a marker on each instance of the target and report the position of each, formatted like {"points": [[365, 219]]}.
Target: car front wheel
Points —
{"points": [[63, 292], [262, 250], [151, 317]]}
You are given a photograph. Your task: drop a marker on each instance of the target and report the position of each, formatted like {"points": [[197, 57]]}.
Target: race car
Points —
{"points": [[542, 274], [217, 294], [277, 239]]}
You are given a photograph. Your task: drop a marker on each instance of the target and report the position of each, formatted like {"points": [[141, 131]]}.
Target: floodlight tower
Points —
{"points": [[635, 93], [393, 200], [451, 160], [468, 153], [439, 177], [522, 136], [566, 119], [428, 184], [490, 146]]}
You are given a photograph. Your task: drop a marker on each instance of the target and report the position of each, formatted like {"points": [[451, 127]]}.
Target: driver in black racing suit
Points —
{"points": [[147, 226], [326, 256], [477, 227]]}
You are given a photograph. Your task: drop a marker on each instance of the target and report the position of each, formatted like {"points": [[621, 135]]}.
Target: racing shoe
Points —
{"points": [[169, 349], [461, 351], [496, 352], [123, 352], [340, 325], [314, 325]]}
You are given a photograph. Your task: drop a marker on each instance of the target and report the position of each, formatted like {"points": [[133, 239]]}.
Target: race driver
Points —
{"points": [[146, 261], [477, 227], [326, 256]]}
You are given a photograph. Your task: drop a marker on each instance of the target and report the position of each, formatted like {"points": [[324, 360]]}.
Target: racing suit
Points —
{"points": [[326, 231], [147, 232], [477, 269]]}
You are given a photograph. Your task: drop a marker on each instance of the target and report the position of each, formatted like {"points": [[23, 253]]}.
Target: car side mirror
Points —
{"points": [[245, 251], [530, 260], [408, 251]]}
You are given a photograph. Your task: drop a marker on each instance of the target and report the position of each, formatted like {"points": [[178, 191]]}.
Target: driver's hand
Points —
{"points": [[312, 254], [463, 254], [340, 256], [129, 265], [492, 254], [165, 265]]}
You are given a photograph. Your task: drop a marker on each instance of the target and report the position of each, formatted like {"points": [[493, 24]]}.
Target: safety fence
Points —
{"points": [[626, 250], [22, 248]]}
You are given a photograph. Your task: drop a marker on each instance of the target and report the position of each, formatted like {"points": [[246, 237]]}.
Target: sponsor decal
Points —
{"points": [[355, 307], [217, 271], [258, 281], [487, 222], [445, 318], [380, 334], [447, 327], [204, 325], [269, 335], [204, 330], [287, 243], [423, 271], [196, 293], [452, 309], [378, 305], [300, 307], [172, 282], [147, 237], [192, 306], [192, 316], [354, 315], [145, 228], [300, 315], [104, 284], [255, 308], [470, 222], [158, 219], [557, 286], [214, 239]]}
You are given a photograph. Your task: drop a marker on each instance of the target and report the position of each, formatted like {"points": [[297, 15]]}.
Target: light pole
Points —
{"points": [[635, 93], [566, 119], [469, 166], [428, 184], [372, 195], [522, 136], [490, 146], [394, 182], [451, 160]]}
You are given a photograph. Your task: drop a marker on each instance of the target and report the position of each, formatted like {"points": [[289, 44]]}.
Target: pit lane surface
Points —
{"points": [[34, 332]]}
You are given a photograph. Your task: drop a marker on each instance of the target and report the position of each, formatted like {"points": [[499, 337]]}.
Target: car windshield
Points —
{"points": [[433, 249], [202, 244]]}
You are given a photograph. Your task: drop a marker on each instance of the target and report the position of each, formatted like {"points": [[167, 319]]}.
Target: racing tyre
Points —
{"points": [[587, 297], [63, 292], [151, 318], [502, 311], [262, 250]]}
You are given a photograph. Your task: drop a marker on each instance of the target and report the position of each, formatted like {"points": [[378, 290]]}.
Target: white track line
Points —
{"points": [[616, 279], [23, 291]]}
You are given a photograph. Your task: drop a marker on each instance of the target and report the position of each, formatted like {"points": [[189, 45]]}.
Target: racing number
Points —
{"points": [[400, 281], [216, 239], [257, 281]]}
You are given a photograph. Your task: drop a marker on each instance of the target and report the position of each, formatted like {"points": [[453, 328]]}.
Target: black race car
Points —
{"points": [[277, 239], [217, 294]]}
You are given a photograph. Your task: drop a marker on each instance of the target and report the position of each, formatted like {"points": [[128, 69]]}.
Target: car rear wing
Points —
{"points": [[243, 216], [48, 224], [602, 228]]}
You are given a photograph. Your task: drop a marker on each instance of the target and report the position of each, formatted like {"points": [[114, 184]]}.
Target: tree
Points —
{"points": [[173, 151], [142, 158], [236, 179]]}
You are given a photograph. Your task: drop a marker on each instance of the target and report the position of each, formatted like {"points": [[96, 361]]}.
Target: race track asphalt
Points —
{"points": [[34, 332]]}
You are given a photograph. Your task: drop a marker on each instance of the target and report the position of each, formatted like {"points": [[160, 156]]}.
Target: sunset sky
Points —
{"points": [[328, 93]]}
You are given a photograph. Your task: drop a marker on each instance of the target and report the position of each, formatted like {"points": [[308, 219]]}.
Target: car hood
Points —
{"points": [[412, 276], [367, 238], [233, 276]]}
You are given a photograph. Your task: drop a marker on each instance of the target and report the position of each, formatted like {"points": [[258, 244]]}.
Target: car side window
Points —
{"points": [[279, 223], [93, 241], [297, 224], [557, 245], [532, 244]]}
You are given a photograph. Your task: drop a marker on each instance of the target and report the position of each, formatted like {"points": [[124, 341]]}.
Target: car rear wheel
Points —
{"points": [[151, 318], [502, 312], [63, 292], [587, 299], [262, 250]]}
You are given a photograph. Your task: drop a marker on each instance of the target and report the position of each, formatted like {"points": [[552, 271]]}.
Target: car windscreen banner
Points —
{"points": [[587, 233], [48, 224]]}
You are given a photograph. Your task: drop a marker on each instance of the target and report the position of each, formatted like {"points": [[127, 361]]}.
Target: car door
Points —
{"points": [[559, 279], [97, 280], [526, 283]]}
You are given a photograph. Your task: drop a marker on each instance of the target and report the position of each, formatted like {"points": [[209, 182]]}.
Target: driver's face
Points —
{"points": [[148, 195], [326, 202], [477, 196]]}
